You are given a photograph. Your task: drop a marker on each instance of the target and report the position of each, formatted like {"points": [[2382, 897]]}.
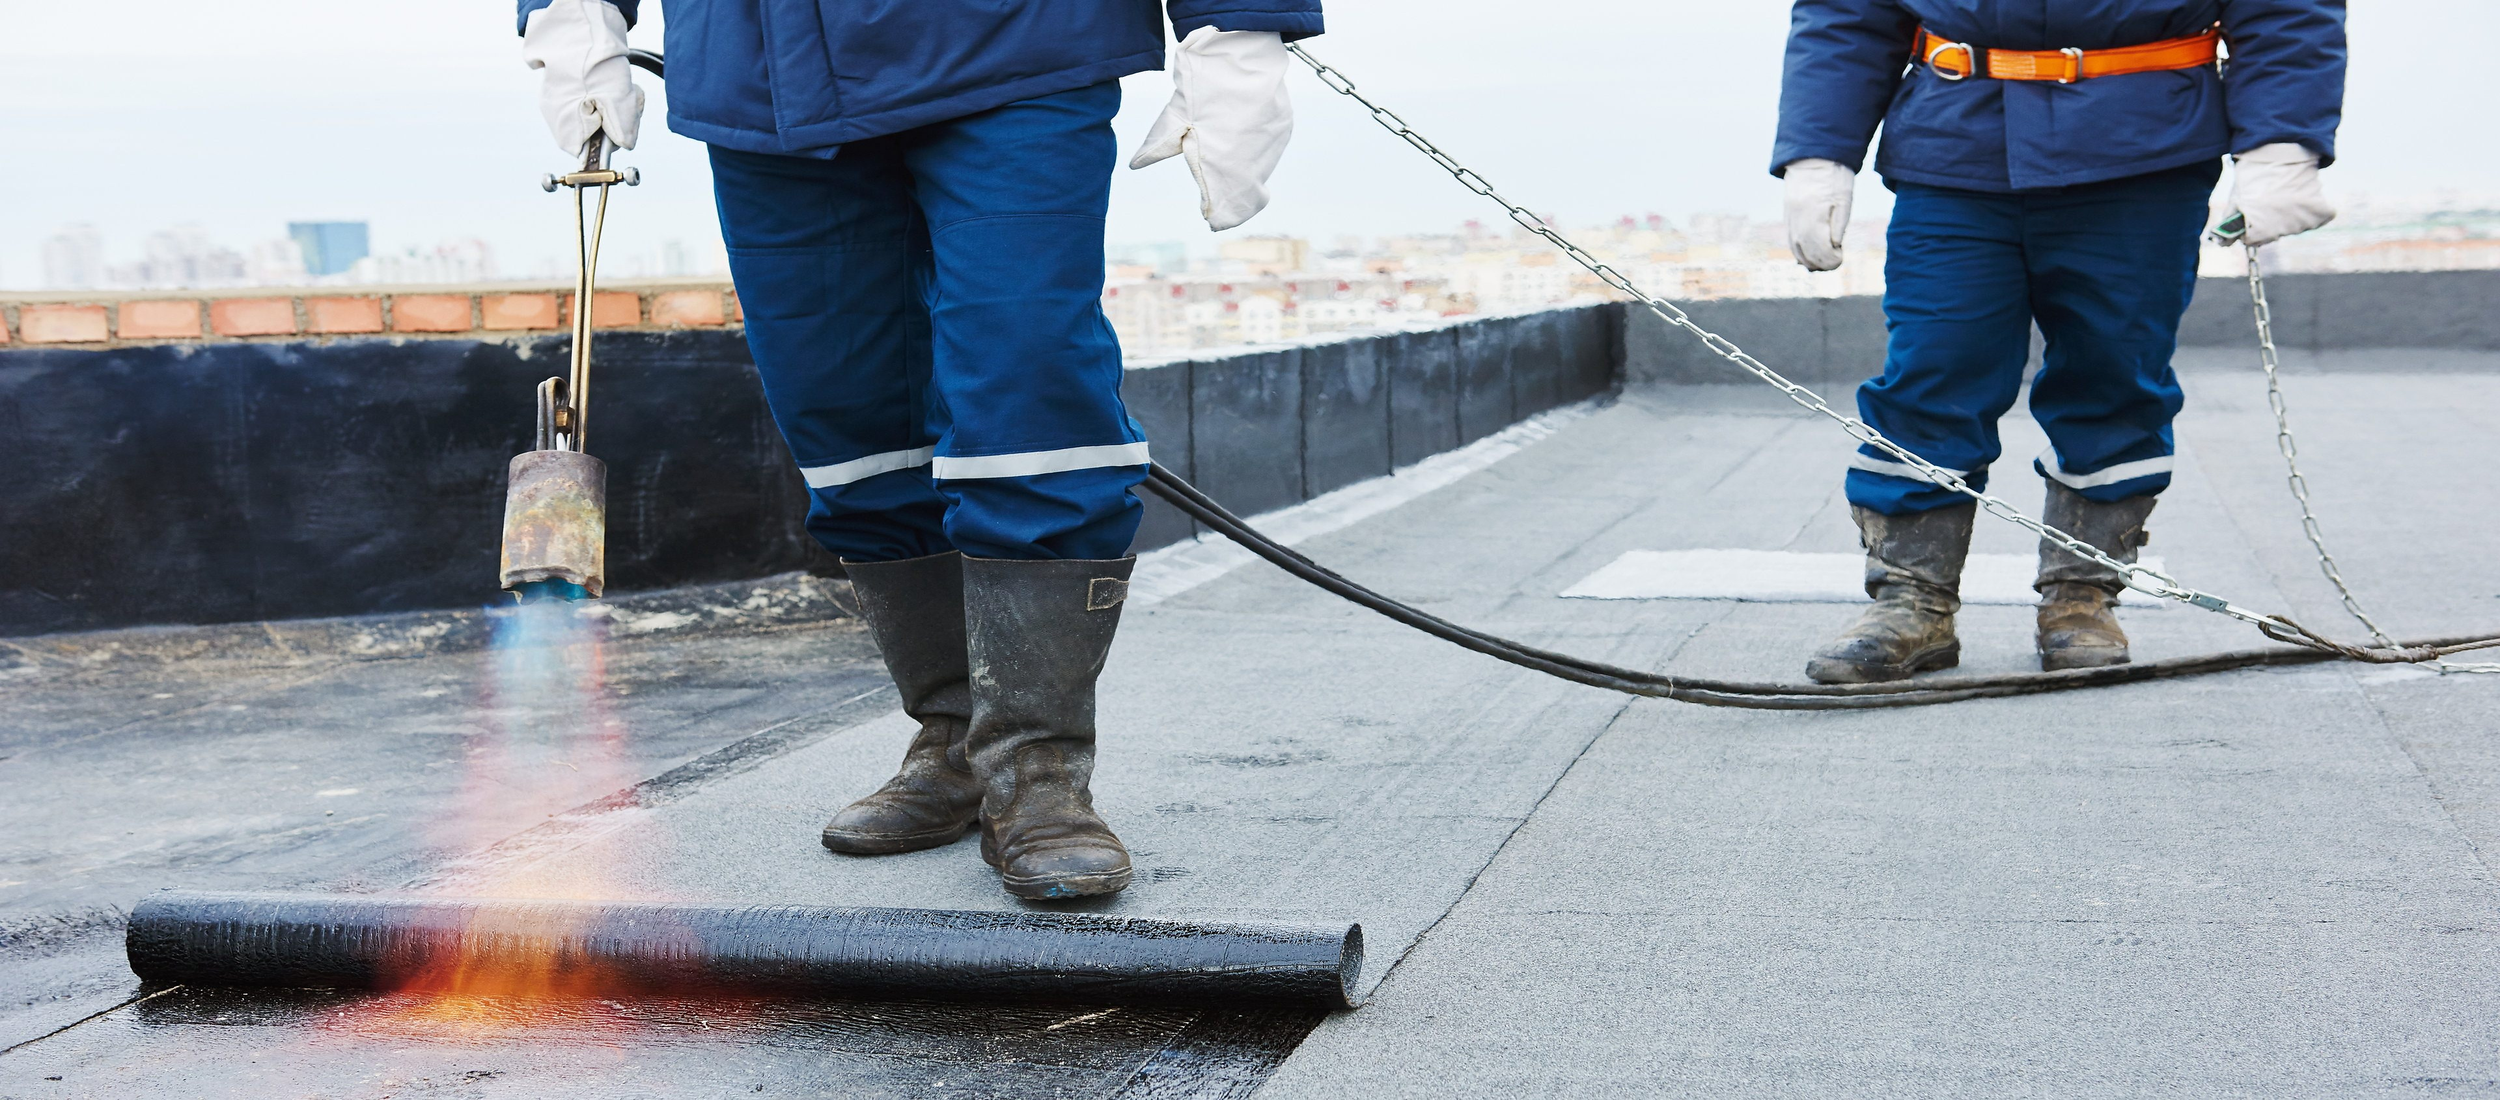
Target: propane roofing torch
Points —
{"points": [[555, 519]]}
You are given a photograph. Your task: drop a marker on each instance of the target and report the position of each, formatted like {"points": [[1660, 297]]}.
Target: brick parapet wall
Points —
{"points": [[173, 317]]}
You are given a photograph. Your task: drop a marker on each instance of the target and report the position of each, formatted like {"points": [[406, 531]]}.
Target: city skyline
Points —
{"points": [[427, 129], [79, 256], [2448, 230], [83, 257]]}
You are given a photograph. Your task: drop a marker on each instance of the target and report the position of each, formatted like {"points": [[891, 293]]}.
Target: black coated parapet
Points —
{"points": [[625, 948], [1835, 343], [234, 481]]}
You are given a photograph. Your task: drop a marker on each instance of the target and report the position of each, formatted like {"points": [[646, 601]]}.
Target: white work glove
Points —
{"points": [[1819, 192], [2276, 188], [588, 85], [1229, 119]]}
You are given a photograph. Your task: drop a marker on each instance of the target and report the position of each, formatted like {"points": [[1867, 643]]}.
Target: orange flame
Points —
{"points": [[545, 740]]}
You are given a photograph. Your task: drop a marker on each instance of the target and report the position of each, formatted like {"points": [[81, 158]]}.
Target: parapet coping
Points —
{"points": [[95, 319], [91, 320]]}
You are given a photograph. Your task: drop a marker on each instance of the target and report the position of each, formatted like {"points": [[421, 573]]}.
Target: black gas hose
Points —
{"points": [[1718, 693]]}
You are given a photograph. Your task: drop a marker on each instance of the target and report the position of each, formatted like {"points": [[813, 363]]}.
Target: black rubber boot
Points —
{"points": [[915, 609], [1914, 571], [1039, 633], [2078, 598]]}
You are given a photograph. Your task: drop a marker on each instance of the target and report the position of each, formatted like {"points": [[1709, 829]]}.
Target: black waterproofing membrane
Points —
{"points": [[628, 948]]}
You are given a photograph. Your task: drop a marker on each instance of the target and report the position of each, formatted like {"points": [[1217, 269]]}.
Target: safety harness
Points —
{"points": [[1952, 60]]}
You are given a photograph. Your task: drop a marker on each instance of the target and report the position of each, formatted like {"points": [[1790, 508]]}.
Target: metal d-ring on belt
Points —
{"points": [[1952, 60]]}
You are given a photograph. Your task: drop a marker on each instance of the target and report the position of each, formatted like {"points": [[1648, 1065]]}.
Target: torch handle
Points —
{"points": [[587, 228]]}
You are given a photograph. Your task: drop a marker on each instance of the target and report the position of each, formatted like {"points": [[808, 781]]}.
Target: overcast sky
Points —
{"points": [[242, 115]]}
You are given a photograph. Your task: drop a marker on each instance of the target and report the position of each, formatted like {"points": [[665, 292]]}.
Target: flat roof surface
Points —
{"points": [[2268, 883]]}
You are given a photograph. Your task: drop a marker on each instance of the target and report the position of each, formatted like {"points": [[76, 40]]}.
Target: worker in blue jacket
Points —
{"points": [[913, 194], [2051, 165]]}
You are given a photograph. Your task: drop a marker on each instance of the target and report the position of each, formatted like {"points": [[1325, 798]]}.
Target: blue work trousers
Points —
{"points": [[925, 309], [2105, 269]]}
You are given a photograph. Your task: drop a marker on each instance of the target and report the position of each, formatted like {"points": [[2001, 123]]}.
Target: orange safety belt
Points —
{"points": [[1960, 60]]}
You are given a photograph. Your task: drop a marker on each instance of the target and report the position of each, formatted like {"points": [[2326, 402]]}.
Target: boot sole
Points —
{"points": [[1054, 887], [886, 844], [1828, 670], [1063, 887], [2063, 659]]}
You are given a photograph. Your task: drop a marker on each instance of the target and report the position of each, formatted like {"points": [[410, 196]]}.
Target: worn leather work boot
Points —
{"points": [[1039, 633], [1914, 571], [2078, 598], [915, 609]]}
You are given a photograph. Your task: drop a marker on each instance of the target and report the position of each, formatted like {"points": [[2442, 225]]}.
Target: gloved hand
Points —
{"points": [[1229, 120], [2276, 188], [1819, 193], [588, 85]]}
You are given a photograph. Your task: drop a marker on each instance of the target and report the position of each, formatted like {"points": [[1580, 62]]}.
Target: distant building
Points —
{"points": [[1501, 282], [329, 248], [1720, 229], [1268, 255], [468, 260], [1159, 257], [73, 258], [1279, 290], [2446, 232], [1156, 315], [274, 263], [182, 256]]}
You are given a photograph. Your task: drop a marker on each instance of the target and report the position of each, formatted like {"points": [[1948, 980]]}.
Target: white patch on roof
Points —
{"points": [[1788, 576]]}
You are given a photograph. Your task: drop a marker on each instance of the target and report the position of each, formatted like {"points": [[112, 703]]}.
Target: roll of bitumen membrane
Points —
{"points": [[636, 948]]}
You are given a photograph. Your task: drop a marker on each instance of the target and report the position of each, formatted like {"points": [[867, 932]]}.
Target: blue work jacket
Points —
{"points": [[805, 76], [1849, 67]]}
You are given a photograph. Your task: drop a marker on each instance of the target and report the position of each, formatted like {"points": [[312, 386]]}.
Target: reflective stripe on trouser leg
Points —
{"points": [[837, 474], [1895, 468], [1030, 463], [2144, 475], [1039, 455]]}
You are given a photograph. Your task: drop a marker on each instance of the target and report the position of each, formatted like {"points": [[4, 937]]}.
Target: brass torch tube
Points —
{"points": [[588, 228]]}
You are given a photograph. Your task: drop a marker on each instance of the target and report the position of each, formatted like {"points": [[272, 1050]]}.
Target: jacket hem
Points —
{"points": [[2139, 168], [1293, 25], [895, 121], [1892, 176], [820, 139], [741, 139], [2003, 185]]}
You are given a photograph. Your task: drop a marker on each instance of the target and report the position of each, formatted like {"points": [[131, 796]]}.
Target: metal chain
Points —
{"points": [[2267, 356], [2137, 576], [2142, 578], [2283, 441]]}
